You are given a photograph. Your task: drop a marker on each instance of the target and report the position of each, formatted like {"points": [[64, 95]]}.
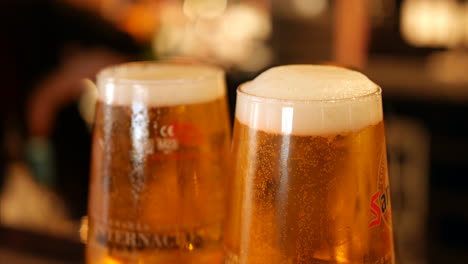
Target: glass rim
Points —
{"points": [[107, 74], [257, 98]]}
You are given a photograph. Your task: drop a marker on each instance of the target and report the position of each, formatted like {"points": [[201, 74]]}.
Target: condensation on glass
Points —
{"points": [[161, 138]]}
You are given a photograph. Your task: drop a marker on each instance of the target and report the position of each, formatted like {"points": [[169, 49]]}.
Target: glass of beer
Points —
{"points": [[161, 138], [310, 181]]}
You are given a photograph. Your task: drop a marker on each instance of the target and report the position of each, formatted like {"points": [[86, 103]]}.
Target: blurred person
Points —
{"points": [[47, 47]]}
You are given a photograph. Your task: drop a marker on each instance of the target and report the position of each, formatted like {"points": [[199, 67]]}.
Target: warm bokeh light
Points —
{"points": [[244, 22], [432, 23], [234, 39], [110, 260], [140, 20], [84, 229], [204, 8], [309, 8]]}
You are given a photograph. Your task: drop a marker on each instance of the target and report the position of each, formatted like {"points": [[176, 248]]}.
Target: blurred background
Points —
{"points": [[415, 49]]}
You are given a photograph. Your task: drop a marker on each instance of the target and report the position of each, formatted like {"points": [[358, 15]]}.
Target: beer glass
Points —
{"points": [[161, 138], [310, 180]]}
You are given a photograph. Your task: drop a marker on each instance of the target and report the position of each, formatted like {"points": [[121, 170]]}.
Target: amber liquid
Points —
{"points": [[157, 184], [309, 199]]}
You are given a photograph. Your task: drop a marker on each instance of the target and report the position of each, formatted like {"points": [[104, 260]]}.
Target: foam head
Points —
{"points": [[309, 100], [157, 84]]}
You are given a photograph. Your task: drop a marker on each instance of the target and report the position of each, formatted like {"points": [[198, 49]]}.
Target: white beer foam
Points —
{"points": [[309, 100], [157, 84]]}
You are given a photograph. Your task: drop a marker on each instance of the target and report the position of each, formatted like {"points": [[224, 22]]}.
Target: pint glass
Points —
{"points": [[310, 180], [161, 138]]}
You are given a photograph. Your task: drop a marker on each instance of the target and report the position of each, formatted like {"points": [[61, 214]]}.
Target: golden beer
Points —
{"points": [[161, 136], [310, 181]]}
